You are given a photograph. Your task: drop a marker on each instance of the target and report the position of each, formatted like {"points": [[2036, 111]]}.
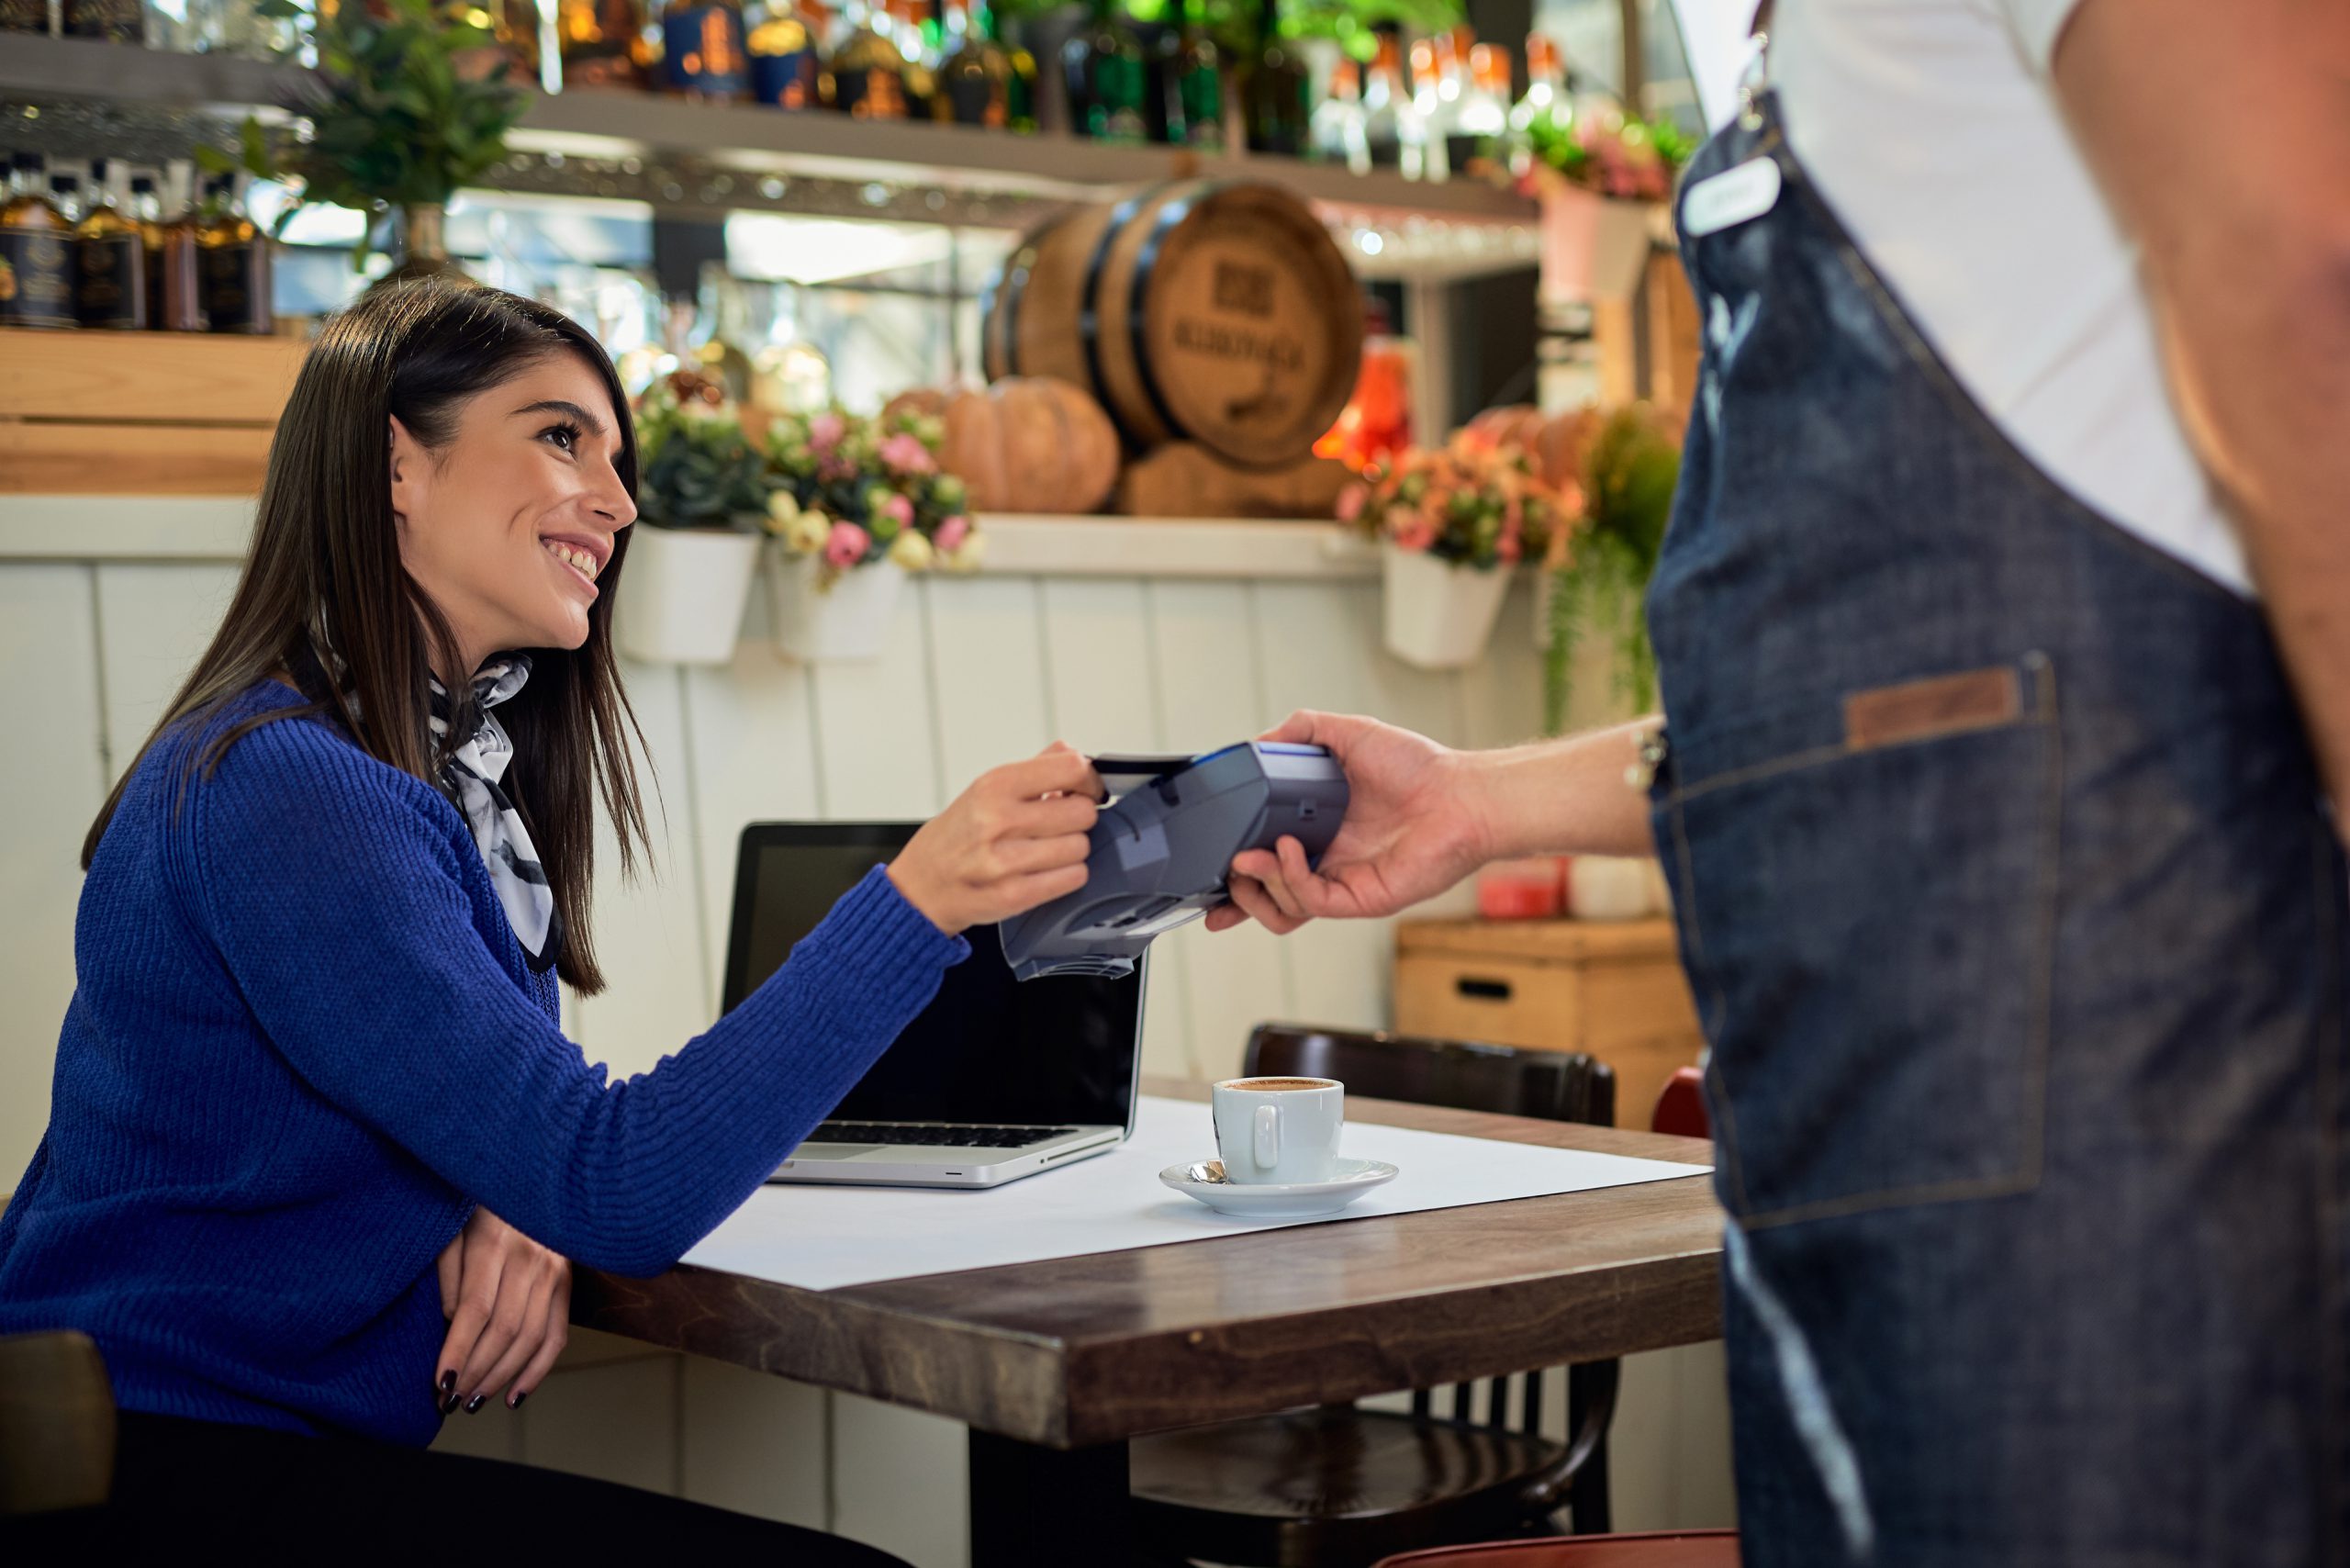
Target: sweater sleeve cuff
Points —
{"points": [[877, 945]]}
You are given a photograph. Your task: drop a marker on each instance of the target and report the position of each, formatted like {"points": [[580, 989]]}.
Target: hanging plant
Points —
{"points": [[1609, 152], [854, 491], [1628, 474], [412, 100], [698, 470]]}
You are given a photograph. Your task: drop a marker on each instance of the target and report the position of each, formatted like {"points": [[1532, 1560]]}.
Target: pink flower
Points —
{"points": [[1411, 529], [900, 509], [906, 453], [1507, 549], [847, 544], [1350, 502], [952, 532], [824, 432]]}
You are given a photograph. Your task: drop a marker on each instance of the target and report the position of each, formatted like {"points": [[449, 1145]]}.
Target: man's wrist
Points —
{"points": [[1485, 792]]}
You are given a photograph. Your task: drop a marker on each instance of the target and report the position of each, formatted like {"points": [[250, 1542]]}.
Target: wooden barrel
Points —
{"points": [[1215, 311]]}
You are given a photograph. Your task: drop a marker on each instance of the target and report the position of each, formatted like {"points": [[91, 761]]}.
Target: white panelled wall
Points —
{"points": [[978, 671]]}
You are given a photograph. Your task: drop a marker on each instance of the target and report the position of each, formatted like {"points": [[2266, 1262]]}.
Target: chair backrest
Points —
{"points": [[1681, 1108], [1558, 1086], [1664, 1548], [57, 1426]]}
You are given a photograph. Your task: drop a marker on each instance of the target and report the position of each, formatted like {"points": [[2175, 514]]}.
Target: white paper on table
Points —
{"points": [[823, 1237]]}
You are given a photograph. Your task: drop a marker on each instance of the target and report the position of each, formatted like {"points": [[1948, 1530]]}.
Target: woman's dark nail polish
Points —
{"points": [[448, 1384], [516, 1403], [473, 1405]]}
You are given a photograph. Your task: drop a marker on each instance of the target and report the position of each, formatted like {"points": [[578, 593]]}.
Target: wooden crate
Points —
{"points": [[139, 413], [1648, 341], [1613, 988]]}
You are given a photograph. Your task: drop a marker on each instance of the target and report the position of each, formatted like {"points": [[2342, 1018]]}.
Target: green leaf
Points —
{"points": [[255, 147]]}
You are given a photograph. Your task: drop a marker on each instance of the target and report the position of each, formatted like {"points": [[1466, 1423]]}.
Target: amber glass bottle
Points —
{"points": [[168, 226], [232, 263], [36, 252], [110, 264]]}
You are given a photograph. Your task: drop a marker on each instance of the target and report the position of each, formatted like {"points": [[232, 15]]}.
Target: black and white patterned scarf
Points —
{"points": [[471, 776]]}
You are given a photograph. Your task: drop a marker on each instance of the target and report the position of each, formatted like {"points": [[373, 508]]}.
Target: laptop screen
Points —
{"points": [[988, 1048]]}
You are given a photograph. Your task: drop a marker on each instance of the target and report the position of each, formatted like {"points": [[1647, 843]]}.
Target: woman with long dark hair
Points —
{"points": [[318, 1153]]}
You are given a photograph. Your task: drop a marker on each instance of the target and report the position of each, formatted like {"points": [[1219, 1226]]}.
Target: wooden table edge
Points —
{"points": [[841, 1339]]}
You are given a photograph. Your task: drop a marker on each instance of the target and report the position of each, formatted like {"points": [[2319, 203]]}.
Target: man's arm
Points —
{"points": [[1421, 816], [2222, 135]]}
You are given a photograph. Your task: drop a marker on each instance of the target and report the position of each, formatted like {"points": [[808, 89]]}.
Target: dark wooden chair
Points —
{"points": [[57, 1424], [1661, 1549], [1342, 1486]]}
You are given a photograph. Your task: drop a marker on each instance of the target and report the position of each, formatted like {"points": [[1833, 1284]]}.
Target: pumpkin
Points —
{"points": [[1026, 443], [1554, 444]]}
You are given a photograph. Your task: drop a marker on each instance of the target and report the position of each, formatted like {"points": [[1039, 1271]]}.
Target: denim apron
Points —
{"points": [[2014, 916]]}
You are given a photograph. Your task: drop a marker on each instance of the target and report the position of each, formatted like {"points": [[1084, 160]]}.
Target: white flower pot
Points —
{"points": [[1439, 615], [850, 620], [1594, 247], [682, 594]]}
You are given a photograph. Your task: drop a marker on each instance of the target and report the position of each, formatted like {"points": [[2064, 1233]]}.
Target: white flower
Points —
{"points": [[967, 557], [783, 510], [911, 551], [806, 534]]}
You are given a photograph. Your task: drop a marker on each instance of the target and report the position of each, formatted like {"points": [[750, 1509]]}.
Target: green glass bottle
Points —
{"points": [[1020, 91], [1274, 100], [1102, 67], [1195, 85]]}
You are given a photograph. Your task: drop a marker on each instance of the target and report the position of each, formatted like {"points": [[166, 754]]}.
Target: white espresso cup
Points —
{"points": [[1276, 1129]]}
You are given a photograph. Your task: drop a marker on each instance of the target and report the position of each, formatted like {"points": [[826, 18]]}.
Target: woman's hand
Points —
{"points": [[508, 1300], [1012, 841], [1410, 830]]}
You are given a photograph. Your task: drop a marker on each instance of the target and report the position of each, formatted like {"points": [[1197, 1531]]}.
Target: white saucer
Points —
{"points": [[1276, 1200]]}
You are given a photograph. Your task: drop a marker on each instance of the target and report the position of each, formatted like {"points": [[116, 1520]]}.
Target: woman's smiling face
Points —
{"points": [[509, 525]]}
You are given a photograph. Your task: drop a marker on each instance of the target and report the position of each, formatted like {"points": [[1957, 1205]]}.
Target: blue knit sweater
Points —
{"points": [[304, 1044]]}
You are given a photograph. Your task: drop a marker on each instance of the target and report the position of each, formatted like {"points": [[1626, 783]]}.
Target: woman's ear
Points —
{"points": [[406, 469]]}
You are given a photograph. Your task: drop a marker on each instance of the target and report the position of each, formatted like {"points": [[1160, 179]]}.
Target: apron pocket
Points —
{"points": [[1868, 925]]}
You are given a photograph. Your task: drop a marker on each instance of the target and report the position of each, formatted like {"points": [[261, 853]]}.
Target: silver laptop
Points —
{"points": [[995, 1079]]}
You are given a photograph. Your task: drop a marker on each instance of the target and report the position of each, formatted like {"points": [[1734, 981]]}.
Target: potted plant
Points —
{"points": [[700, 498], [855, 504], [1602, 179], [1630, 465], [410, 101], [1451, 523]]}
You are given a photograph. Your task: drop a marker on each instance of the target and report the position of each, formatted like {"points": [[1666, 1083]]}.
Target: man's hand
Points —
{"points": [[1412, 830], [1421, 816], [508, 1300]]}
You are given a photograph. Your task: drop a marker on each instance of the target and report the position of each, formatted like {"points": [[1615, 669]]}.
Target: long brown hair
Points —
{"points": [[323, 583]]}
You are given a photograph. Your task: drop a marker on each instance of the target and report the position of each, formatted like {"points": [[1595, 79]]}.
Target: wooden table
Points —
{"points": [[1056, 1365]]}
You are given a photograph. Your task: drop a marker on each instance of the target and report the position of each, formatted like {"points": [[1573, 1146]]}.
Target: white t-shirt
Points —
{"points": [[1932, 127]]}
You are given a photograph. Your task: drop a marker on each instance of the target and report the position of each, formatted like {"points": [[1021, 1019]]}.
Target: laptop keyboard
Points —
{"points": [[932, 1134]]}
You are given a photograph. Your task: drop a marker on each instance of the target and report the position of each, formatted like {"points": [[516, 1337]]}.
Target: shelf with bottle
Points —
{"points": [[754, 138], [113, 252]]}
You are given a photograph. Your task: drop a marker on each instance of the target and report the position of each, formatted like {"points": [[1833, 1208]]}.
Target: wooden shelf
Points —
{"points": [[155, 412], [36, 70]]}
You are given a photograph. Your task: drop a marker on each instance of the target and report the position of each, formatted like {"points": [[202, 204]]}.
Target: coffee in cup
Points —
{"points": [[1278, 1129]]}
